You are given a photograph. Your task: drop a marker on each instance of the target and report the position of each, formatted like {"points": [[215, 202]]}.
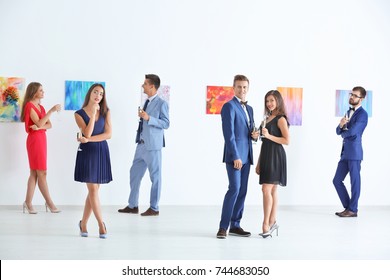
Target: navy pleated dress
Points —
{"points": [[93, 158]]}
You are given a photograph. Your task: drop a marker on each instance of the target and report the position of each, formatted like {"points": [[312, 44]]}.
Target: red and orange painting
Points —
{"points": [[216, 97]]}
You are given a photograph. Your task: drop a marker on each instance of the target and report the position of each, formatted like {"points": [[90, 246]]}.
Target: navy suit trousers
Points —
{"points": [[343, 168], [233, 204]]}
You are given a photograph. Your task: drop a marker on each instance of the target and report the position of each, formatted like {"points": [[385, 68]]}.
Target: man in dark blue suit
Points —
{"points": [[237, 126], [351, 129]]}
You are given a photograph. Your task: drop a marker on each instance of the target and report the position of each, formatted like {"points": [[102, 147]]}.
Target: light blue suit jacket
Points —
{"points": [[352, 138], [153, 130], [237, 132]]}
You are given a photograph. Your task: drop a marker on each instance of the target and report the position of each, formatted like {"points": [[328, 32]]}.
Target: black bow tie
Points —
{"points": [[352, 108], [244, 102]]}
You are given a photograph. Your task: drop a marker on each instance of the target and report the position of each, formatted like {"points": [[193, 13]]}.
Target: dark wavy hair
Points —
{"points": [[280, 107], [103, 103]]}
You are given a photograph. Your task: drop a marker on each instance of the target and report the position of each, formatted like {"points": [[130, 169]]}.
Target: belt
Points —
{"points": [[141, 141]]}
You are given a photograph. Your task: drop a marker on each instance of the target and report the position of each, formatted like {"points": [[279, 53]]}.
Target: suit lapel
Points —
{"points": [[152, 105], [356, 113], [241, 110]]}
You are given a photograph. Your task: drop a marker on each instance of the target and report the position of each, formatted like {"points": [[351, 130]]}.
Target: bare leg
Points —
{"points": [[43, 187], [94, 204], [274, 193], [31, 184], [86, 214], [267, 205]]}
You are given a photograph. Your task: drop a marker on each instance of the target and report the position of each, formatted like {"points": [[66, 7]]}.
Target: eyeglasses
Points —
{"points": [[354, 95]]}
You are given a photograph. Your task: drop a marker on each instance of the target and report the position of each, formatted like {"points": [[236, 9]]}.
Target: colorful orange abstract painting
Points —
{"points": [[11, 96], [216, 97], [293, 101]]}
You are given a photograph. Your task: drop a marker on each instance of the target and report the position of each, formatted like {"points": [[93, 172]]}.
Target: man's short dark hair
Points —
{"points": [[240, 78], [361, 90], [153, 79]]}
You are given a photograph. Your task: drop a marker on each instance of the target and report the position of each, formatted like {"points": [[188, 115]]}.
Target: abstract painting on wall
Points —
{"points": [[293, 101], [163, 91], [342, 102], [75, 92], [216, 97], [11, 96]]}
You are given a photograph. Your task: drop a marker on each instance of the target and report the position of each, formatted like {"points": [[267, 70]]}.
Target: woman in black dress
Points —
{"points": [[272, 166]]}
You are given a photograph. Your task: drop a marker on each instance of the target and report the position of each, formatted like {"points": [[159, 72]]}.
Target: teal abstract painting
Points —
{"points": [[75, 92]]}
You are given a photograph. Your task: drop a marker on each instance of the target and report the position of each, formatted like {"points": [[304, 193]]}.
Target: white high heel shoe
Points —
{"points": [[30, 211], [52, 210]]}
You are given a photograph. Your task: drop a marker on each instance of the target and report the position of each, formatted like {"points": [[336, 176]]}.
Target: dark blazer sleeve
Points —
{"points": [[228, 114]]}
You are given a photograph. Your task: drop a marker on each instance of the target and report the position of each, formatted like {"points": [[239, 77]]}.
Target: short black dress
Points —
{"points": [[273, 162], [93, 163]]}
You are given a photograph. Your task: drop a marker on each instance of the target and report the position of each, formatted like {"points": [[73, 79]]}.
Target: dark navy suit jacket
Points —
{"points": [[352, 138], [237, 132]]}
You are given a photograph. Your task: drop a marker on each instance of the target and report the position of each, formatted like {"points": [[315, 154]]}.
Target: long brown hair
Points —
{"points": [[103, 103], [280, 107], [31, 90]]}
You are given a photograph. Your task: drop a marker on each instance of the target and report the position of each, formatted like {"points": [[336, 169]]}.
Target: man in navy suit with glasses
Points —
{"points": [[351, 129]]}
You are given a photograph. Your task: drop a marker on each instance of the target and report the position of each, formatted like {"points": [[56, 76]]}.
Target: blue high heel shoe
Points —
{"points": [[103, 235], [83, 234]]}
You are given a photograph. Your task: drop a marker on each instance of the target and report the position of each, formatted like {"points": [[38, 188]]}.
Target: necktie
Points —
{"points": [[244, 102], [352, 108], [141, 123]]}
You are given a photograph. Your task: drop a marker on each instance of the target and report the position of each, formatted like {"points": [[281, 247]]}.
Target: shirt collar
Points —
{"points": [[239, 100], [152, 97]]}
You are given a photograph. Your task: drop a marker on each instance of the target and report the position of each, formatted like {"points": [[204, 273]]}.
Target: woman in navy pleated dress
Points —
{"points": [[93, 164]]}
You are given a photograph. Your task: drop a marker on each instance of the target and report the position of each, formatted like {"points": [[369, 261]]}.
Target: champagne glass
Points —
{"points": [[254, 129], [263, 124], [79, 135], [346, 116]]}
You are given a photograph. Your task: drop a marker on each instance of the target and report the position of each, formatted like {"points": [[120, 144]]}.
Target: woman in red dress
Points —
{"points": [[36, 122]]}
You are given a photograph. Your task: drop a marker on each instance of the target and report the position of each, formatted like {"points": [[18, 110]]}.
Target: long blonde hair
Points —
{"points": [[31, 90]]}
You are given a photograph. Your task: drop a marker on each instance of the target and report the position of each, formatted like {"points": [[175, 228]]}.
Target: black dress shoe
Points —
{"points": [[127, 209], [338, 213], [348, 214], [239, 232], [221, 234]]}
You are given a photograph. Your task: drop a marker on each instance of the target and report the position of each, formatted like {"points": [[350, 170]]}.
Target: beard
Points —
{"points": [[351, 102]]}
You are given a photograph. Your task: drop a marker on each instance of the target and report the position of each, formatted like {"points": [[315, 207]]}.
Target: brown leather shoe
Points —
{"points": [[127, 209], [338, 213], [150, 212], [221, 234], [348, 214]]}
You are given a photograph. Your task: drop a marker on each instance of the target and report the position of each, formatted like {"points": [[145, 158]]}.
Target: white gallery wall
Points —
{"points": [[320, 46]]}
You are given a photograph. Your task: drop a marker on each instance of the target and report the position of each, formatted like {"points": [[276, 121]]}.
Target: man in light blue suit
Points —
{"points": [[351, 129], [154, 118], [237, 127]]}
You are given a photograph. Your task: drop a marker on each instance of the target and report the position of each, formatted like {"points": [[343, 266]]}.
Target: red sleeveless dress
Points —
{"points": [[36, 140]]}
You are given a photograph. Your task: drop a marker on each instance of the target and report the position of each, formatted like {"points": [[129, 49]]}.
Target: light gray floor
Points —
{"points": [[188, 233]]}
